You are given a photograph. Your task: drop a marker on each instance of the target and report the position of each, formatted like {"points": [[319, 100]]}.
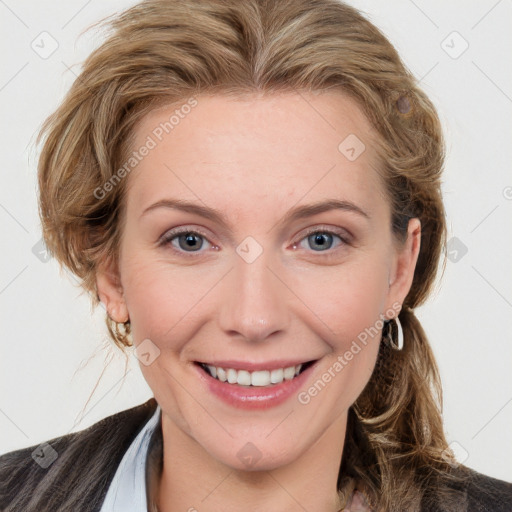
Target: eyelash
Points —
{"points": [[168, 237]]}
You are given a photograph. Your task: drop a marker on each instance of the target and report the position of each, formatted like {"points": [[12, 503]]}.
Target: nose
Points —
{"points": [[253, 301]]}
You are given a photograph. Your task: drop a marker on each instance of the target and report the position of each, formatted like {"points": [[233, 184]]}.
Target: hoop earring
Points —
{"points": [[120, 332], [123, 333], [400, 335]]}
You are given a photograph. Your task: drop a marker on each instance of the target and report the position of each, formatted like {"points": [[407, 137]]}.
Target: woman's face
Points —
{"points": [[257, 239]]}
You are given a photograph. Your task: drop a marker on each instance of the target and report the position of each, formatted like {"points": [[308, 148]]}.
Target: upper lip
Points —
{"points": [[256, 366]]}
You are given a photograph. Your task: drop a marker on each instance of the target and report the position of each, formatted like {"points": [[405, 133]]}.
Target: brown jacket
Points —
{"points": [[27, 486]]}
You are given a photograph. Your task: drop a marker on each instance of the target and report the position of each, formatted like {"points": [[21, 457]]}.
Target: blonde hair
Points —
{"points": [[168, 51]]}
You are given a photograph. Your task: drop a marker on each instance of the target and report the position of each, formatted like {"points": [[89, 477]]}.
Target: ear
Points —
{"points": [[402, 273], [110, 291]]}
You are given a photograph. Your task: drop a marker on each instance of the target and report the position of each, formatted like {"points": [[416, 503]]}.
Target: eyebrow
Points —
{"points": [[297, 213]]}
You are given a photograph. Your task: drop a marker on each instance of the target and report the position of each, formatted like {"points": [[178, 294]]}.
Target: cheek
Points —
{"points": [[165, 301], [348, 300]]}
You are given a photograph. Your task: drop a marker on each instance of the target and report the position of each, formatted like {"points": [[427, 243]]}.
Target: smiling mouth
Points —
{"points": [[259, 378]]}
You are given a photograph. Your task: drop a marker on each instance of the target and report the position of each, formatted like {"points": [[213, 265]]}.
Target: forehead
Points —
{"points": [[259, 148]]}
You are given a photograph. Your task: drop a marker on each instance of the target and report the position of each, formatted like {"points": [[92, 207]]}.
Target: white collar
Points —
{"points": [[127, 491]]}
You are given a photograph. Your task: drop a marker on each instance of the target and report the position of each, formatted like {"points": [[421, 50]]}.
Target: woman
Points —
{"points": [[252, 189]]}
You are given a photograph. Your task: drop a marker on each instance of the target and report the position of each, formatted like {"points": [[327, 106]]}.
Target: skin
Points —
{"points": [[253, 159]]}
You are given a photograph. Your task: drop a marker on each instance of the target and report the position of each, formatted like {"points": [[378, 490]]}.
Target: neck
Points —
{"points": [[192, 480]]}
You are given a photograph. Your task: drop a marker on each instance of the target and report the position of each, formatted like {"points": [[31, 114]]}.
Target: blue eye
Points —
{"points": [[321, 239], [191, 241], [184, 240]]}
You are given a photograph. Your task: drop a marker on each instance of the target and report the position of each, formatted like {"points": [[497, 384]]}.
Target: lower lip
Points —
{"points": [[254, 397]]}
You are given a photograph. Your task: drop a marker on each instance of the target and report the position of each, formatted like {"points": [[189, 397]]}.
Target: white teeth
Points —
{"points": [[261, 378], [289, 373], [243, 378], [232, 375], [277, 376], [258, 378]]}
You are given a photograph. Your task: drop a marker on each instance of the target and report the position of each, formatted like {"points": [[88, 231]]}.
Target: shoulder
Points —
{"points": [[486, 494], [467, 490], [73, 471]]}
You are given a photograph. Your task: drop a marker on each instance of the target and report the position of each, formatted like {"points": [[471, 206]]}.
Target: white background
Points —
{"points": [[54, 347]]}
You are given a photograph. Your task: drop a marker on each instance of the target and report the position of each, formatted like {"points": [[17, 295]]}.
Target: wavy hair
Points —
{"points": [[161, 52]]}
